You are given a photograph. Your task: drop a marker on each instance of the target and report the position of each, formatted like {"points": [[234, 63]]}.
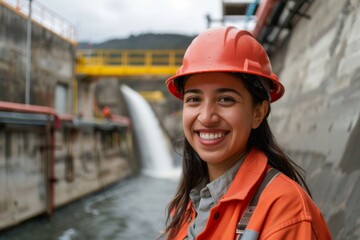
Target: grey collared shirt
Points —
{"points": [[206, 195]]}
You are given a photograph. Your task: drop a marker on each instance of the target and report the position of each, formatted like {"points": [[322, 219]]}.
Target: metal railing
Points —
{"points": [[128, 62], [44, 17], [130, 57]]}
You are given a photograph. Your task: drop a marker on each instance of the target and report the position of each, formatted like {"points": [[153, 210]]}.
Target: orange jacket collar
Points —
{"points": [[250, 172]]}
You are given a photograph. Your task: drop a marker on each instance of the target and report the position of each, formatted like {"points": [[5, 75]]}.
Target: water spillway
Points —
{"points": [[155, 148]]}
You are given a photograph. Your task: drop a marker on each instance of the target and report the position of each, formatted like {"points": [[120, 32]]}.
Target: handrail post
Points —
{"points": [[172, 58], [148, 56], [28, 58]]}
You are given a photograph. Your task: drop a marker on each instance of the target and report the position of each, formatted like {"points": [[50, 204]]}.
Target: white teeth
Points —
{"points": [[211, 136]]}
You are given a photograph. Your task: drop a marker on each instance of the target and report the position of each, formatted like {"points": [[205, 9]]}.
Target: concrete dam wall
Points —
{"points": [[318, 119], [52, 62]]}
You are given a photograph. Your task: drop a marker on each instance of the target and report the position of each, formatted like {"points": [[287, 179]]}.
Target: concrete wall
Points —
{"points": [[52, 61], [317, 121], [87, 159], [22, 175]]}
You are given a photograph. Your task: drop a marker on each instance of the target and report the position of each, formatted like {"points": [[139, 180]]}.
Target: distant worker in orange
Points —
{"points": [[106, 112], [237, 183]]}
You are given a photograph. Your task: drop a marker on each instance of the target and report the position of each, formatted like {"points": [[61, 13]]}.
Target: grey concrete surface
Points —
{"points": [[317, 121]]}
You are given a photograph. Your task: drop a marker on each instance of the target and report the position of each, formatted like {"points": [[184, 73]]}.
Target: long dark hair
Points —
{"points": [[194, 168]]}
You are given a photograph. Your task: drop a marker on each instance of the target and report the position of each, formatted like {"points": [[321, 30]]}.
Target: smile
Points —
{"points": [[211, 136]]}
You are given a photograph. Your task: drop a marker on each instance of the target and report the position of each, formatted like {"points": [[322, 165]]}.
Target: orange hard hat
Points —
{"points": [[226, 49]]}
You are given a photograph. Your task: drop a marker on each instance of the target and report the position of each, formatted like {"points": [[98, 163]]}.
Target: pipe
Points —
{"points": [[262, 14], [52, 172], [50, 178], [18, 107], [28, 58], [75, 97]]}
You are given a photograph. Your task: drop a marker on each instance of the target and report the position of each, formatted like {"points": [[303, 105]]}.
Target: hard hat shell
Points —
{"points": [[226, 49]]}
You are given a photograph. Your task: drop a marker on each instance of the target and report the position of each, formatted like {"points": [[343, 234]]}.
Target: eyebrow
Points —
{"points": [[223, 90], [192, 91], [219, 90]]}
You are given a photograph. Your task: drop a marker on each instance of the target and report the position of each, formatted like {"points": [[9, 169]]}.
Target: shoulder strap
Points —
{"points": [[242, 224], [270, 175]]}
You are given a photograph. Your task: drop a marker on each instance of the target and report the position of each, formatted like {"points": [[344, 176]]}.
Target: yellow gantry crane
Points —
{"points": [[96, 63], [122, 63]]}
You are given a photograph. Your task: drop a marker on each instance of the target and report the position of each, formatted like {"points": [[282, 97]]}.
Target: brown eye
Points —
{"points": [[226, 99], [192, 99]]}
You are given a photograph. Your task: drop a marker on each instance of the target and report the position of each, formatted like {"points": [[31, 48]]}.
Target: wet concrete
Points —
{"points": [[131, 209]]}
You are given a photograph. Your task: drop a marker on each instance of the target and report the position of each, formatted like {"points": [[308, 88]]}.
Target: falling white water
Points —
{"points": [[153, 143]]}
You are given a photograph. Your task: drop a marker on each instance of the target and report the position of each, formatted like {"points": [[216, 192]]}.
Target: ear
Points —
{"points": [[260, 112]]}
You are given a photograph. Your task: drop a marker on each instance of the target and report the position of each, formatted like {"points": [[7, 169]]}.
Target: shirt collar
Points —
{"points": [[219, 186]]}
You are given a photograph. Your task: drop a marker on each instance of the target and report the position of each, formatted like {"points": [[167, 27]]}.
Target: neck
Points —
{"points": [[216, 170]]}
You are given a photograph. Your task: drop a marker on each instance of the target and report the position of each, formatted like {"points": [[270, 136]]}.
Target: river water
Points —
{"points": [[130, 210]]}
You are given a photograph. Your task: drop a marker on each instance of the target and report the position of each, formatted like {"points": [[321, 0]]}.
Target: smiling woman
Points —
{"points": [[236, 183], [218, 119]]}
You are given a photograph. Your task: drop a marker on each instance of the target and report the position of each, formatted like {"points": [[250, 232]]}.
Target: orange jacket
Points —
{"points": [[285, 211]]}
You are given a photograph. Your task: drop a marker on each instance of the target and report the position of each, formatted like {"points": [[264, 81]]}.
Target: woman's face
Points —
{"points": [[218, 116]]}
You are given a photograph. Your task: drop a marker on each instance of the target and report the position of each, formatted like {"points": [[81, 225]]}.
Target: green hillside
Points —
{"points": [[143, 41]]}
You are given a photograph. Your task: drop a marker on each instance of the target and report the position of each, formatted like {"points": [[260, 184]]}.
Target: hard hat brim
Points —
{"points": [[277, 90]]}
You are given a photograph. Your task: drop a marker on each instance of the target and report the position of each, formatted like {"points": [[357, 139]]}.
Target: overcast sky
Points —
{"points": [[100, 20]]}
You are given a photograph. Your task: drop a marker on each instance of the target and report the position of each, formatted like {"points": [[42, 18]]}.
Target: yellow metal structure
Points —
{"points": [[101, 63], [153, 96]]}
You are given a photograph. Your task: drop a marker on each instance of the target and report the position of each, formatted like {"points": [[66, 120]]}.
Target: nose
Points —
{"points": [[208, 114]]}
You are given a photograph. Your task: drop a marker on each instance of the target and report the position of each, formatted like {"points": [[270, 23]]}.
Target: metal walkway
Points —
{"points": [[123, 63]]}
